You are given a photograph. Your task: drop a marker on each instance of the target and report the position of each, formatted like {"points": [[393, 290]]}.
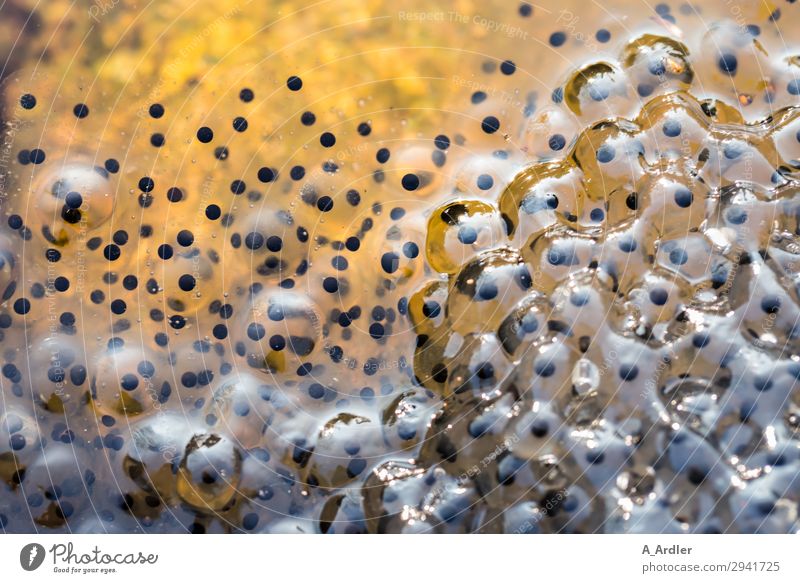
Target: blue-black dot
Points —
{"points": [[628, 372], [165, 251], [73, 200], [156, 111], [683, 197], [659, 296], [544, 367], [17, 442], [557, 39], [605, 153], [728, 63], [185, 238], [442, 142], [508, 67], [579, 298], [485, 182], [146, 184], [111, 252], [382, 155], [22, 306], [467, 235], [672, 128], [239, 124], [327, 139], [376, 331], [678, 256], [410, 249], [27, 101], [205, 134], [36, 156], [213, 212], [627, 244], [599, 91], [410, 182], [490, 124], [431, 309], [770, 304], [266, 174], [736, 216], [662, 9], [487, 291], [277, 342], [15, 222], [762, 383], [656, 66], [250, 521], [732, 150], [556, 142], [255, 331], [390, 262], [187, 282]]}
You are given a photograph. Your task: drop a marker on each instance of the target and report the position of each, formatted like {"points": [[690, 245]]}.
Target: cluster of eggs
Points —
{"points": [[618, 336]]}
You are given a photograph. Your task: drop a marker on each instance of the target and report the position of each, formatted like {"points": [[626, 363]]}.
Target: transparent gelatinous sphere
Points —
{"points": [[69, 199], [209, 472]]}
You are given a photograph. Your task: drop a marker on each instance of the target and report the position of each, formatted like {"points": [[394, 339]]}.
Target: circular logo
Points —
{"points": [[31, 556]]}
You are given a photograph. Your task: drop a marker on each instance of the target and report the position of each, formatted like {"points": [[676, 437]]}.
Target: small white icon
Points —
{"points": [[32, 556], [33, 553]]}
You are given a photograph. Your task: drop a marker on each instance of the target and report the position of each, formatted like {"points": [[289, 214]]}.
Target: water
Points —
{"points": [[361, 268]]}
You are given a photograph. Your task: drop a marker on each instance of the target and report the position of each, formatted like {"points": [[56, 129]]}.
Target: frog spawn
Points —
{"points": [[542, 304], [694, 313]]}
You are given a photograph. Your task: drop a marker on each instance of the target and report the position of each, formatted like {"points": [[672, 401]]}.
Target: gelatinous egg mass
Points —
{"points": [[400, 267]]}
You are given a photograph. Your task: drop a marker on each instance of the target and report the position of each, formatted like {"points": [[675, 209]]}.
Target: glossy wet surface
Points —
{"points": [[359, 268]]}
